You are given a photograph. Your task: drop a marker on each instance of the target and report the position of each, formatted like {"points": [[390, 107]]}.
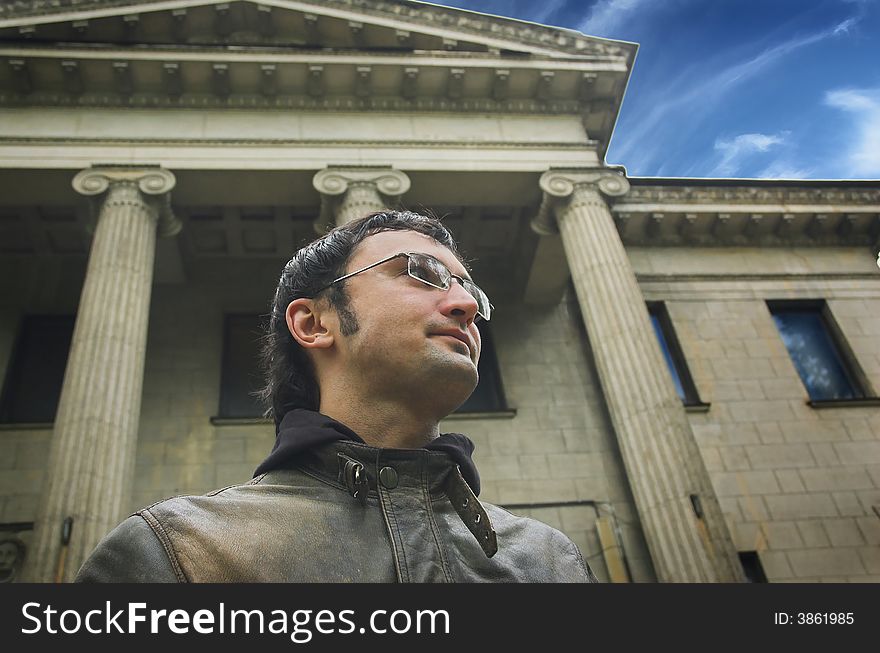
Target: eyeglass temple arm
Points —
{"points": [[372, 265]]}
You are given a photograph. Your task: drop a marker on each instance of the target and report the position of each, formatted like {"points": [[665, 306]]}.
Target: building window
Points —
{"points": [[488, 396], [36, 370], [820, 355], [672, 353], [752, 568], [241, 375]]}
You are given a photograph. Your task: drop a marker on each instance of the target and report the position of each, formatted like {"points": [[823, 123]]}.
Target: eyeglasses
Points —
{"points": [[431, 272]]}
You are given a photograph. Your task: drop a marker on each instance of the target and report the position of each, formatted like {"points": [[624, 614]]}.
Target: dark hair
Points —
{"points": [[289, 376]]}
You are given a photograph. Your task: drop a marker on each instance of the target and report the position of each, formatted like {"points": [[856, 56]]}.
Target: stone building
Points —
{"points": [[680, 374]]}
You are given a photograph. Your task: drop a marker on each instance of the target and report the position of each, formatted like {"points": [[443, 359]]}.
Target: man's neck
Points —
{"points": [[384, 425]]}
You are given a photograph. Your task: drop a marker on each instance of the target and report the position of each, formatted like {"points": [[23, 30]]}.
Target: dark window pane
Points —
{"points": [[751, 563], [814, 354], [673, 355], [241, 374], [488, 396], [670, 363], [36, 371]]}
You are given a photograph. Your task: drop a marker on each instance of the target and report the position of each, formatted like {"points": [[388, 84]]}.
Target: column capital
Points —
{"points": [[151, 182], [336, 181], [561, 184], [368, 186]]}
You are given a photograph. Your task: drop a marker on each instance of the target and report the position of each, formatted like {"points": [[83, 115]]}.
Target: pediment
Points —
{"points": [[372, 25], [385, 55]]}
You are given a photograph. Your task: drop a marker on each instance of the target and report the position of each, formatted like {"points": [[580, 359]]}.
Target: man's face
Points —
{"points": [[414, 342]]}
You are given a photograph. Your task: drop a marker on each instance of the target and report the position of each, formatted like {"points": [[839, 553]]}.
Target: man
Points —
{"points": [[372, 341]]}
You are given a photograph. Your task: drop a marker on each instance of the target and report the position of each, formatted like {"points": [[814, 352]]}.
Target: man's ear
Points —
{"points": [[307, 324]]}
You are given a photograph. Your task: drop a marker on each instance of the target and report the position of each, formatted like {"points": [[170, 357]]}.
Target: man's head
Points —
{"points": [[381, 327]]}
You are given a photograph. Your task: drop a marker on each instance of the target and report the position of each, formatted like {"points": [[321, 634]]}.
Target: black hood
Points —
{"points": [[301, 430]]}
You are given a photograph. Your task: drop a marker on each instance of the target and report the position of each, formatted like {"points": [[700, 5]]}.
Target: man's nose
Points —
{"points": [[459, 302]]}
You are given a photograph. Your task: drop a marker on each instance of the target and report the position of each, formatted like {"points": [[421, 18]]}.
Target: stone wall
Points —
{"points": [[799, 485], [559, 447]]}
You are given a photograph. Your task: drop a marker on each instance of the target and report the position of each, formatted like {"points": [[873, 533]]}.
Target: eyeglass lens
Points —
{"points": [[429, 270]]}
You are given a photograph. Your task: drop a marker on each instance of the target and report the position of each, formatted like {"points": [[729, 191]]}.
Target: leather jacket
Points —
{"points": [[341, 512]]}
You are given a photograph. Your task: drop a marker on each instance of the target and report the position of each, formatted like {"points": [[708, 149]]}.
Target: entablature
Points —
{"points": [[341, 54], [270, 78], [657, 212]]}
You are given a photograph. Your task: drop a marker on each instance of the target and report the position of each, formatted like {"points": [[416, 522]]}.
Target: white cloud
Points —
{"points": [[693, 94], [851, 100], [861, 151], [542, 14], [782, 169], [736, 151], [606, 15], [844, 27]]}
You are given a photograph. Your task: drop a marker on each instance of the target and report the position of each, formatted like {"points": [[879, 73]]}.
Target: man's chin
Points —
{"points": [[454, 395]]}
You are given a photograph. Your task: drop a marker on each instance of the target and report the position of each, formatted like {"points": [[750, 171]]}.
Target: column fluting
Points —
{"points": [[662, 460], [95, 432]]}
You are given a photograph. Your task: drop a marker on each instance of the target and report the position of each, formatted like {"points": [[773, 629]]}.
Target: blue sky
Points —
{"points": [[785, 89]]}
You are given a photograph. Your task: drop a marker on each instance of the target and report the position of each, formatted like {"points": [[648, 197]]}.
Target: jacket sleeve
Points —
{"points": [[130, 553]]}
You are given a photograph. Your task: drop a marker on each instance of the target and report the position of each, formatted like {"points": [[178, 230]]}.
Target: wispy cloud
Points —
{"points": [[861, 152], [546, 10], [784, 169], [607, 15], [694, 91], [845, 26], [738, 150]]}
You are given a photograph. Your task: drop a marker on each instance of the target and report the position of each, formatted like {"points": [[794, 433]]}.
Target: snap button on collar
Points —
{"points": [[388, 477]]}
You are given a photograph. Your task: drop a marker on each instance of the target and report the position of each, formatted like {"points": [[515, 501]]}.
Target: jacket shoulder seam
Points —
{"points": [[164, 540], [214, 493], [591, 577]]}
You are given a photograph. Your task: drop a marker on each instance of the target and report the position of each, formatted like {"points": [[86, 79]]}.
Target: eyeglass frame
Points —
{"points": [[461, 280]]}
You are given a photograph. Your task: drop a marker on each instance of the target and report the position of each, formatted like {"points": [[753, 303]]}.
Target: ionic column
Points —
{"points": [[680, 516], [351, 193], [91, 458]]}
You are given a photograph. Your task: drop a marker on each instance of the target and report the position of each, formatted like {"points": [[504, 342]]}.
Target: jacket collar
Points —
{"points": [[302, 432]]}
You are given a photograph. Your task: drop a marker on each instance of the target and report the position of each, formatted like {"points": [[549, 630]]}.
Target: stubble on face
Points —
{"points": [[391, 347], [340, 302]]}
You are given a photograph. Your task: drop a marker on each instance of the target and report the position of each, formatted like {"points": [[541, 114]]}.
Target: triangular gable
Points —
{"points": [[305, 54], [361, 24]]}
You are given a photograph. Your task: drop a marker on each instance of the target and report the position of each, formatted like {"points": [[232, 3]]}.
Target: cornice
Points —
{"points": [[728, 277], [478, 26], [225, 142], [725, 226], [742, 215], [745, 195], [273, 54], [445, 105], [725, 215], [29, 8], [481, 25]]}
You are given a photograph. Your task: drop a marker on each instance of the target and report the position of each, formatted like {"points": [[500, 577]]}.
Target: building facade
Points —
{"points": [[681, 374]]}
